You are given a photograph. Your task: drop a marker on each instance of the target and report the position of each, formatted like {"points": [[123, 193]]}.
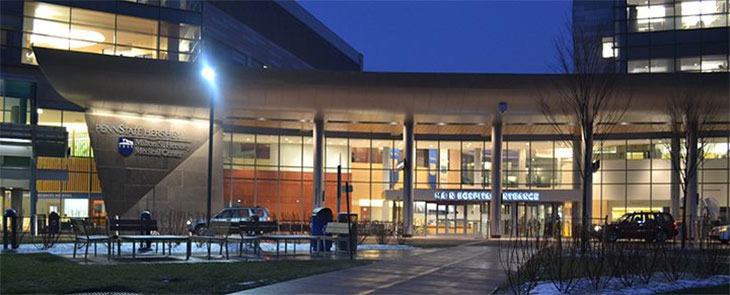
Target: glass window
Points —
{"points": [[49, 117], [689, 64], [336, 153], [93, 18], [136, 24], [541, 164], [662, 65], [638, 66], [78, 135], [607, 48], [47, 11], [83, 30], [714, 63]]}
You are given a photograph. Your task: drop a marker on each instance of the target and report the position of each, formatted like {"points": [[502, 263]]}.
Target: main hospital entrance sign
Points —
{"points": [[485, 195], [509, 196], [146, 142]]}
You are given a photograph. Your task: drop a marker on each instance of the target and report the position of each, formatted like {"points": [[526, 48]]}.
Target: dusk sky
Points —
{"points": [[448, 36]]}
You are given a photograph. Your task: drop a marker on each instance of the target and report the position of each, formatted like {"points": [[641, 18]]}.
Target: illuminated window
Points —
{"points": [[638, 66], [714, 63], [61, 27], [607, 49], [661, 15]]}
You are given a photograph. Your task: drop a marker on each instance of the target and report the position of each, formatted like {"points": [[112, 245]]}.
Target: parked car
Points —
{"points": [[721, 233], [648, 226], [234, 214]]}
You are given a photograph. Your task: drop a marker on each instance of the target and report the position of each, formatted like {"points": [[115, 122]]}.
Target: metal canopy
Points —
{"points": [[176, 89]]}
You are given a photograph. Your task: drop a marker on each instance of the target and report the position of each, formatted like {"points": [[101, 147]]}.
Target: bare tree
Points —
{"points": [[582, 103], [690, 115]]}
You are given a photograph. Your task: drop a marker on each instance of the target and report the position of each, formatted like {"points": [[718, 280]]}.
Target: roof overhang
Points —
{"points": [[177, 89]]}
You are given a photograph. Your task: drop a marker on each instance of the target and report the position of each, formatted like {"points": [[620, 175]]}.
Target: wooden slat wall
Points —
{"points": [[78, 175]]}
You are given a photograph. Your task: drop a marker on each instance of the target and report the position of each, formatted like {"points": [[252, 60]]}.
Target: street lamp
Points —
{"points": [[209, 74]]}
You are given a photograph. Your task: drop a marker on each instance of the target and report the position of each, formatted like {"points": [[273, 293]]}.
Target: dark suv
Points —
{"points": [[649, 226]]}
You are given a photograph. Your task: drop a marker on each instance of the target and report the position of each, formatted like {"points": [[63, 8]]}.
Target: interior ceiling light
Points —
{"points": [[58, 35]]}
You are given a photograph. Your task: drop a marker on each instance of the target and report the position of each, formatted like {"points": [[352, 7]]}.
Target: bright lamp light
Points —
{"points": [[208, 73]]}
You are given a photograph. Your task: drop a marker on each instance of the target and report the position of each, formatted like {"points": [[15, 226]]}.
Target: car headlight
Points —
{"points": [[189, 222], [722, 229], [597, 228]]}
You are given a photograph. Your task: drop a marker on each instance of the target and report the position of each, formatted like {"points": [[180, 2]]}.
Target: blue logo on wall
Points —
{"points": [[125, 146]]}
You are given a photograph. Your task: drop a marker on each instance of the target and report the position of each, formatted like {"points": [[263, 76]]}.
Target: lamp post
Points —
{"points": [[209, 74]]}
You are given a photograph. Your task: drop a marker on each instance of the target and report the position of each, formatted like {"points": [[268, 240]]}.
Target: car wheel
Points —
{"points": [[660, 237], [200, 230]]}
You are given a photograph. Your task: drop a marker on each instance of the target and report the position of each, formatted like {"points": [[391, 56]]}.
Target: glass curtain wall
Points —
{"points": [[76, 29], [369, 165], [662, 15], [271, 171], [194, 5], [635, 175], [467, 165], [639, 16]]}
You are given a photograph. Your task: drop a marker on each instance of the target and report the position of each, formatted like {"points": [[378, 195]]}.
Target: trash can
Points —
{"points": [[320, 217], [342, 217]]}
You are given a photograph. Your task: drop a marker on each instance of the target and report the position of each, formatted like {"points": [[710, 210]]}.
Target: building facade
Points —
{"points": [[64, 167], [433, 151], [282, 134], [658, 36]]}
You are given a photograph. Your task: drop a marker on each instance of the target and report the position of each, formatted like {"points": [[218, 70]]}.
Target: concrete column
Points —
{"points": [[34, 167], [318, 163], [674, 187], [692, 171], [410, 158], [576, 164], [16, 201], [496, 205]]}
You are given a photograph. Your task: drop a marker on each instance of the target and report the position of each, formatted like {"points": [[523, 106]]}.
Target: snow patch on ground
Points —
{"points": [[67, 248], [657, 285], [385, 247]]}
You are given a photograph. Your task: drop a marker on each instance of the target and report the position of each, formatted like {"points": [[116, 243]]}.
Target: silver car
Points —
{"points": [[234, 214], [721, 233]]}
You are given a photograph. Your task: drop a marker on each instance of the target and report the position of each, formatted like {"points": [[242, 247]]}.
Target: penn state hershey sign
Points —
{"points": [[146, 142], [459, 195]]}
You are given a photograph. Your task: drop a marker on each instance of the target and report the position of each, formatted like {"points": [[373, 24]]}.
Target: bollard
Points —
{"points": [[54, 223], [11, 216], [147, 216]]}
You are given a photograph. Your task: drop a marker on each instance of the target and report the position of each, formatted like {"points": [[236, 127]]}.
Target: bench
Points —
{"points": [[250, 232], [134, 226], [218, 232], [332, 232]]}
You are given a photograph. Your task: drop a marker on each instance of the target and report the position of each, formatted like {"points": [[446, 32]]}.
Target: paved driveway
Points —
{"points": [[456, 270]]}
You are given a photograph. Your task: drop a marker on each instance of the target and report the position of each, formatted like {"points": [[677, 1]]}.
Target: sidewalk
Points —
{"points": [[468, 269]]}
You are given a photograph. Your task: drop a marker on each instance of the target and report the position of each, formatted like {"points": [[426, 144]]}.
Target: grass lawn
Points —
{"points": [[46, 273], [719, 290]]}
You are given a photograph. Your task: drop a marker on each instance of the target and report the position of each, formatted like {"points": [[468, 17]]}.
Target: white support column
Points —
{"points": [[410, 158], [318, 162], [496, 203]]}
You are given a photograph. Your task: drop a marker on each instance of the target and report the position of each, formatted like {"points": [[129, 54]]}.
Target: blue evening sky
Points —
{"points": [[448, 36]]}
